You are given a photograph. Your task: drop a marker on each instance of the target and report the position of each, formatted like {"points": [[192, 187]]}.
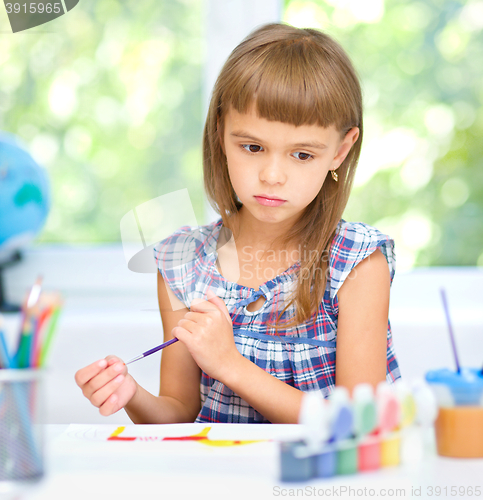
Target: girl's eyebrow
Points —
{"points": [[311, 144]]}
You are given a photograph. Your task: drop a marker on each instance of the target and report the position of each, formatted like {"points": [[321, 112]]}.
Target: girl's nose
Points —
{"points": [[272, 172]]}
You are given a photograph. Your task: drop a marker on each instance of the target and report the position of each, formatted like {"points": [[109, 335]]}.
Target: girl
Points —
{"points": [[266, 299]]}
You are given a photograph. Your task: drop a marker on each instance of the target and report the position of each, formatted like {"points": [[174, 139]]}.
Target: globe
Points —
{"points": [[24, 199]]}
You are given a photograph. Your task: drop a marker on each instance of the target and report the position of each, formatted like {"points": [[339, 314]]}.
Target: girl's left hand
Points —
{"points": [[207, 332]]}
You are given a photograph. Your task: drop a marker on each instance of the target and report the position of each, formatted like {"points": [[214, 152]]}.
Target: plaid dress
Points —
{"points": [[302, 356]]}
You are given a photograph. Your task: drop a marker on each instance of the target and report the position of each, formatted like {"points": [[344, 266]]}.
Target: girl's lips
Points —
{"points": [[269, 202]]}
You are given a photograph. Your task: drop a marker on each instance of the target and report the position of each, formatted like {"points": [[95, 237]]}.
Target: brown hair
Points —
{"points": [[300, 77]]}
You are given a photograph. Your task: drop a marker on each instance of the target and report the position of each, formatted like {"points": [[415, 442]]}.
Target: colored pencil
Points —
{"points": [[45, 349], [38, 323], [5, 361], [40, 326], [22, 356]]}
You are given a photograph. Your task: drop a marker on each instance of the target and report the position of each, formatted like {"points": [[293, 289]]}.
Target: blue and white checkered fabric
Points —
{"points": [[302, 356]]}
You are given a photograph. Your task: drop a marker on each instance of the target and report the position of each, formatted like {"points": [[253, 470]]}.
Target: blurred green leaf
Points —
{"points": [[109, 101], [420, 177]]}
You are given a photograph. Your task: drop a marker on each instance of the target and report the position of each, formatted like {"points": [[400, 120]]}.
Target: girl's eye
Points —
{"points": [[251, 148], [303, 156]]}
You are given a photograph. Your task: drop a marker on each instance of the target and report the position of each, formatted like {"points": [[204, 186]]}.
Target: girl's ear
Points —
{"points": [[344, 147]]}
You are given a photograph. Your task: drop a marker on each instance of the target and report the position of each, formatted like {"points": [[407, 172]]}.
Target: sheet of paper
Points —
{"points": [[203, 433]]}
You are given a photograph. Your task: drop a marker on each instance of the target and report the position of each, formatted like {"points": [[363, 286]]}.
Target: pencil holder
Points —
{"points": [[21, 436]]}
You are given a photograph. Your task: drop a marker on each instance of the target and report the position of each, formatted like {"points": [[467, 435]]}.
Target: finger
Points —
{"points": [[113, 359], [195, 317], [111, 405], [85, 374], [101, 396], [103, 378], [196, 321], [188, 325], [214, 299], [181, 334], [200, 305]]}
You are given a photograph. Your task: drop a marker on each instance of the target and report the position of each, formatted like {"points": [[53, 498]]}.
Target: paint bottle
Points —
{"points": [[389, 417], [344, 456], [292, 467], [426, 414], [340, 426], [459, 424], [365, 423], [298, 458], [410, 445]]}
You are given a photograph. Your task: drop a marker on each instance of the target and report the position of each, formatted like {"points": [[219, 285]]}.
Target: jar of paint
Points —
{"points": [[459, 425]]}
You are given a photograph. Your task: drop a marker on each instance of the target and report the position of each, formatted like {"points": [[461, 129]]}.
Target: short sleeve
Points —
{"points": [[353, 242], [174, 257]]}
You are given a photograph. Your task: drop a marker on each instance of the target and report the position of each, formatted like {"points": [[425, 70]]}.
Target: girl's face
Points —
{"points": [[277, 169]]}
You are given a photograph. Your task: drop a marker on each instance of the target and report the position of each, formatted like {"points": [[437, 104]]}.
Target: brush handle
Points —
{"points": [[153, 350], [450, 328], [159, 347]]}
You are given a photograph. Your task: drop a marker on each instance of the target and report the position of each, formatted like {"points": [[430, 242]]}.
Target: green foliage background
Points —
{"points": [[108, 99], [420, 176]]}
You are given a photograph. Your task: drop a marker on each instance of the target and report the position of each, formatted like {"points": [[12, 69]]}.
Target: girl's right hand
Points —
{"points": [[107, 384]]}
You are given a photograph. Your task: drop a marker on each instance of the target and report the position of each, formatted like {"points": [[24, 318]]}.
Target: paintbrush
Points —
{"points": [[153, 350], [450, 328]]}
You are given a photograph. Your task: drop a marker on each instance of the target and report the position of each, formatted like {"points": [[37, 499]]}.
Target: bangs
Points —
{"points": [[293, 82]]}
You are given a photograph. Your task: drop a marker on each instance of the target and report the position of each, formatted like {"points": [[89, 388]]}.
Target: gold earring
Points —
{"points": [[334, 175]]}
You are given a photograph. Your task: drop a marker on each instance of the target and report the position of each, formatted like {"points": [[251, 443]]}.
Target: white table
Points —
{"points": [[90, 470]]}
